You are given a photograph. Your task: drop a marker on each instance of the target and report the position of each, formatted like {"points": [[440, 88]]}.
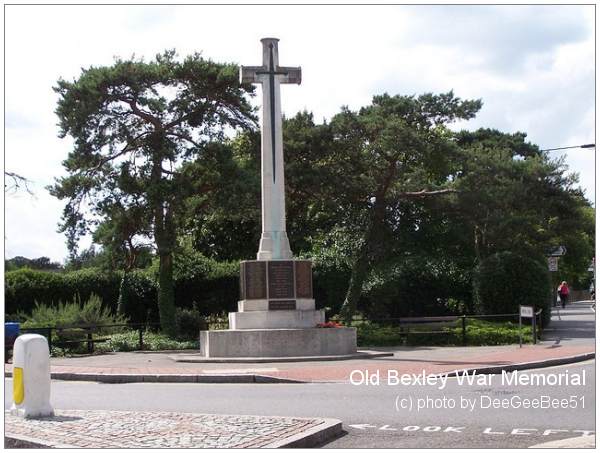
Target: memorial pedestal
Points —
{"points": [[339, 341], [276, 317]]}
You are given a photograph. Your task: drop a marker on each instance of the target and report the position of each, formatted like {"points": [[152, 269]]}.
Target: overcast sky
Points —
{"points": [[533, 67]]}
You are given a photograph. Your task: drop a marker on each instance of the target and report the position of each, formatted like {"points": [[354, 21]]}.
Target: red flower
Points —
{"points": [[329, 324]]}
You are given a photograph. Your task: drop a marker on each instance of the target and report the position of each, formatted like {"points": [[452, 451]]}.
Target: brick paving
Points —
{"points": [[116, 429], [436, 360]]}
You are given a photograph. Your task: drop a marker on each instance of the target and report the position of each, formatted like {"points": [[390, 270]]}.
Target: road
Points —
{"points": [[368, 412], [575, 324]]}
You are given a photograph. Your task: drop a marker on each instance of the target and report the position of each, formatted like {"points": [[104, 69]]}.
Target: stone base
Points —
{"points": [[278, 342], [276, 319]]}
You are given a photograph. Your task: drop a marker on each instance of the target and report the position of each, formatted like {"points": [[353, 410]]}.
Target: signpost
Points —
{"points": [[526, 311]]}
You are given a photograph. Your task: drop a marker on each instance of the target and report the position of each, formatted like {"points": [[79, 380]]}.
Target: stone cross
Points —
{"points": [[274, 244]]}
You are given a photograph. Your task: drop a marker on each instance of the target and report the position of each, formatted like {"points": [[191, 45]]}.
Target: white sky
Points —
{"points": [[533, 67]]}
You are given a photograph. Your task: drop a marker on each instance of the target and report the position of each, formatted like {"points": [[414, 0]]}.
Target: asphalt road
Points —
{"points": [[369, 412]]}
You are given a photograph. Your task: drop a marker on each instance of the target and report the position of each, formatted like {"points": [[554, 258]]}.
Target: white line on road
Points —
{"points": [[459, 429]]}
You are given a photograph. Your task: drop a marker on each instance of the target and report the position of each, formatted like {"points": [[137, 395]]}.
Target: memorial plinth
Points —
{"points": [[276, 295], [276, 314]]}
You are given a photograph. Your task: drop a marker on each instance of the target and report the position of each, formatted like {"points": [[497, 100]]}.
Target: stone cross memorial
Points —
{"points": [[276, 314]]}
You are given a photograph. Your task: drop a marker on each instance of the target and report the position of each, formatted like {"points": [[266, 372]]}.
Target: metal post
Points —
{"points": [[90, 344], [533, 328], [520, 332], [464, 330]]}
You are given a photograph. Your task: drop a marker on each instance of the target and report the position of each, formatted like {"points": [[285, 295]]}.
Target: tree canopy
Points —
{"points": [[134, 126]]}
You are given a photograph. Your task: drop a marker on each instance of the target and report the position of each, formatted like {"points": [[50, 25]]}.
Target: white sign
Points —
{"points": [[553, 264], [526, 311], [559, 251]]}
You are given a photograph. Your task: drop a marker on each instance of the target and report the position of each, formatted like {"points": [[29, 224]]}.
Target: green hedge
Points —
{"points": [[506, 280], [478, 333], [24, 287], [138, 298], [201, 284]]}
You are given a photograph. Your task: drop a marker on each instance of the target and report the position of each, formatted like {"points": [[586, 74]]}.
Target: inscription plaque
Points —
{"points": [[304, 279], [282, 305], [254, 282], [281, 279]]}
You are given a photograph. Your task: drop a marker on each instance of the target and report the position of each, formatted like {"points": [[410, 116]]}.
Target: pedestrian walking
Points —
{"points": [[563, 293]]}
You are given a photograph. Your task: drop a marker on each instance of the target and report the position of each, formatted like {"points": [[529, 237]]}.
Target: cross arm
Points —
{"points": [[291, 75], [248, 74]]}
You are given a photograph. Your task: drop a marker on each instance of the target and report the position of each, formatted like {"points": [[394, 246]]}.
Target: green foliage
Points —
{"points": [[25, 287], [137, 297], [42, 263], [189, 323], [478, 333], [506, 280], [417, 287], [136, 127], [209, 285], [129, 341], [90, 313]]}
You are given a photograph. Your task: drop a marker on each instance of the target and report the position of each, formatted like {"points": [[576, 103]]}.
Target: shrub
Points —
{"points": [[189, 323], [506, 280], [129, 341], [25, 287], [91, 313], [138, 298], [478, 333], [417, 287]]}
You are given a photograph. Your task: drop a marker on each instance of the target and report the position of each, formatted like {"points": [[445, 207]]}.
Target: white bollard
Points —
{"points": [[31, 377]]}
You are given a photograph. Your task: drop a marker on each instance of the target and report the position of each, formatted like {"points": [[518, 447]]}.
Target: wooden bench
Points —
{"points": [[90, 343]]}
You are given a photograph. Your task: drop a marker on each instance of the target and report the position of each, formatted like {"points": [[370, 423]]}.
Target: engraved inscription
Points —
{"points": [[281, 279], [255, 283], [282, 305], [304, 280]]}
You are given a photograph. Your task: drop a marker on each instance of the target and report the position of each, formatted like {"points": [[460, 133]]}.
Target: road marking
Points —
{"points": [[363, 426], [459, 429]]}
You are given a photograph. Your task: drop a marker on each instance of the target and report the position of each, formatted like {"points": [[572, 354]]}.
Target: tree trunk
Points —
{"points": [[164, 233], [360, 270]]}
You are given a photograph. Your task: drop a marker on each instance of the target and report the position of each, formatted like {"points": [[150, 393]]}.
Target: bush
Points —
{"points": [[25, 287], [506, 280], [417, 287], [91, 313], [211, 285], [189, 323], [138, 298], [129, 341], [478, 333]]}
